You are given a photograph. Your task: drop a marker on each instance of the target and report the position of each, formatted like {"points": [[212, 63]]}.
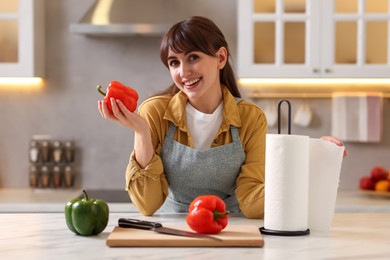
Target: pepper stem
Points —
{"points": [[218, 215], [85, 195], [99, 88]]}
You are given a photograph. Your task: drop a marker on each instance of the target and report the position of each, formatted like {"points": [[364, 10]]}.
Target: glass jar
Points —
{"points": [[57, 151], [34, 176], [45, 176], [45, 151], [69, 151], [34, 153], [57, 176], [68, 176]]}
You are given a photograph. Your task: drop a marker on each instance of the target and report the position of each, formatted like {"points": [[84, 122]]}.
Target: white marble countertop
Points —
{"points": [[45, 236], [40, 200]]}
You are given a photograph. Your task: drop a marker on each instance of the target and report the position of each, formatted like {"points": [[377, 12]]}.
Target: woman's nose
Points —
{"points": [[185, 70]]}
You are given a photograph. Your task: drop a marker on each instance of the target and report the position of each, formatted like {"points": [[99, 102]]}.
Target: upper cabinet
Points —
{"points": [[21, 38], [313, 39]]}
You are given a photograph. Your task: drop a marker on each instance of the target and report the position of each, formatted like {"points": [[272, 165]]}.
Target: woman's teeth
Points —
{"points": [[191, 82]]}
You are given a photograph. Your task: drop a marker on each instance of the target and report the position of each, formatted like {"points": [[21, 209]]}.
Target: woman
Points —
{"points": [[199, 136]]}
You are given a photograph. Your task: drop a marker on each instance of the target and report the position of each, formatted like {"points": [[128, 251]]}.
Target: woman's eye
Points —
{"points": [[173, 63], [193, 57]]}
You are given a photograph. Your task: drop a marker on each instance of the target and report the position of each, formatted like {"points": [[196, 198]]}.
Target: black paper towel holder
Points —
{"points": [[267, 231], [280, 117]]}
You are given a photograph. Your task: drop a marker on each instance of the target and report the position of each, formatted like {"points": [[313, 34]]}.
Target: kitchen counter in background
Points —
{"points": [[42, 200], [357, 201], [29, 200]]}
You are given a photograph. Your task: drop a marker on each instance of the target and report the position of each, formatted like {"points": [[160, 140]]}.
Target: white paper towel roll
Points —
{"points": [[286, 182], [324, 175], [301, 182]]}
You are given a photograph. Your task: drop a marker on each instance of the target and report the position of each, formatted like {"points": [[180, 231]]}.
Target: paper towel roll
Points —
{"points": [[286, 182], [325, 165]]}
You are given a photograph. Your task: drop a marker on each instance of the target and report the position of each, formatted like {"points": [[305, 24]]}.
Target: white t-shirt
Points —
{"points": [[203, 127]]}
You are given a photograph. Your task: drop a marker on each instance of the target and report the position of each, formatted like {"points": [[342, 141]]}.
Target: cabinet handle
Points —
{"points": [[316, 71], [328, 71]]}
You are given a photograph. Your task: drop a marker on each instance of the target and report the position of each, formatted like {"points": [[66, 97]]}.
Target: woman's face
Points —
{"points": [[196, 73]]}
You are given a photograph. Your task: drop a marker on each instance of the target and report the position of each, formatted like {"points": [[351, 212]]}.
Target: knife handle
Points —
{"points": [[137, 223]]}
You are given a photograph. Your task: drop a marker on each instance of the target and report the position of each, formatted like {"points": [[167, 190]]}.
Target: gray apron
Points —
{"points": [[191, 173]]}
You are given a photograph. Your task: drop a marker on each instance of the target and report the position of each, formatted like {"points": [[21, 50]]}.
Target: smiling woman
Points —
{"points": [[198, 137]]}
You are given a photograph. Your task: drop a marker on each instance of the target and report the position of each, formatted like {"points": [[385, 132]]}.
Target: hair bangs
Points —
{"points": [[185, 38], [179, 42]]}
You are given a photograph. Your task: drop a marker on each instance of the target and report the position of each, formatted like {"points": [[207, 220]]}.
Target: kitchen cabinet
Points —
{"points": [[22, 38], [313, 39]]}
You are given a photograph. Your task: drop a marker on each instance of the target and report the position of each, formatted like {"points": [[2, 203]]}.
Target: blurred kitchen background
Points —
{"points": [[64, 105]]}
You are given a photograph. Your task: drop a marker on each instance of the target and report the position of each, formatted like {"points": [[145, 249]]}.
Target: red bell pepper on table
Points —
{"points": [[117, 90], [207, 214]]}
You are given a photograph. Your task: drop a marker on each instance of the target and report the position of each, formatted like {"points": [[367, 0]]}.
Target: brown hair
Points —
{"points": [[198, 34]]}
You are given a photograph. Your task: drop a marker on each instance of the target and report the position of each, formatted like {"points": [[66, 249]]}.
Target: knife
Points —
{"points": [[158, 227]]}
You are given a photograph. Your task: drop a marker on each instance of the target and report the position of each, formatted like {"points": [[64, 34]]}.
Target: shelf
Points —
{"points": [[258, 94], [313, 88]]}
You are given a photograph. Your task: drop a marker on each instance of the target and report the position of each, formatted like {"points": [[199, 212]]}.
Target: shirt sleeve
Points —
{"points": [[148, 187], [250, 182]]}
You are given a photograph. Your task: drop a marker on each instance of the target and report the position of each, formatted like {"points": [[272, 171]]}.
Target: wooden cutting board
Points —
{"points": [[232, 236]]}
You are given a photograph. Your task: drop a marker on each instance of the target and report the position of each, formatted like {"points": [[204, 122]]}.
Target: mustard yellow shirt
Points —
{"points": [[148, 187]]}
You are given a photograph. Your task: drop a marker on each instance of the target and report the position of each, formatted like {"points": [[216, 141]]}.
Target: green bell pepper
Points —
{"points": [[86, 216]]}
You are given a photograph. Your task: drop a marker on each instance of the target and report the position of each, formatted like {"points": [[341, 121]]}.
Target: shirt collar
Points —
{"points": [[230, 111], [176, 110]]}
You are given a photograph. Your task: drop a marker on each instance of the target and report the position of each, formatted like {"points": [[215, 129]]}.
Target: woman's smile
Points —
{"points": [[191, 84]]}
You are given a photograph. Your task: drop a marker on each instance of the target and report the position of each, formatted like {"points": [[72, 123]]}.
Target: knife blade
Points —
{"points": [[158, 227]]}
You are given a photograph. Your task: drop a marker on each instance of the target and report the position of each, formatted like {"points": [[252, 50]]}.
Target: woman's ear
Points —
{"points": [[222, 57]]}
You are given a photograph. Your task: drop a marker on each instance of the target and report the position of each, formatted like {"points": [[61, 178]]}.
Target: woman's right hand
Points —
{"points": [[123, 116]]}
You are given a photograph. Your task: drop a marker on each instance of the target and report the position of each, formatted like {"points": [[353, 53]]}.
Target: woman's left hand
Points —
{"points": [[336, 141]]}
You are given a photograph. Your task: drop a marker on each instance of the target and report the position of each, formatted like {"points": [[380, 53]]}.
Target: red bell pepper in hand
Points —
{"points": [[207, 214], [117, 90]]}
